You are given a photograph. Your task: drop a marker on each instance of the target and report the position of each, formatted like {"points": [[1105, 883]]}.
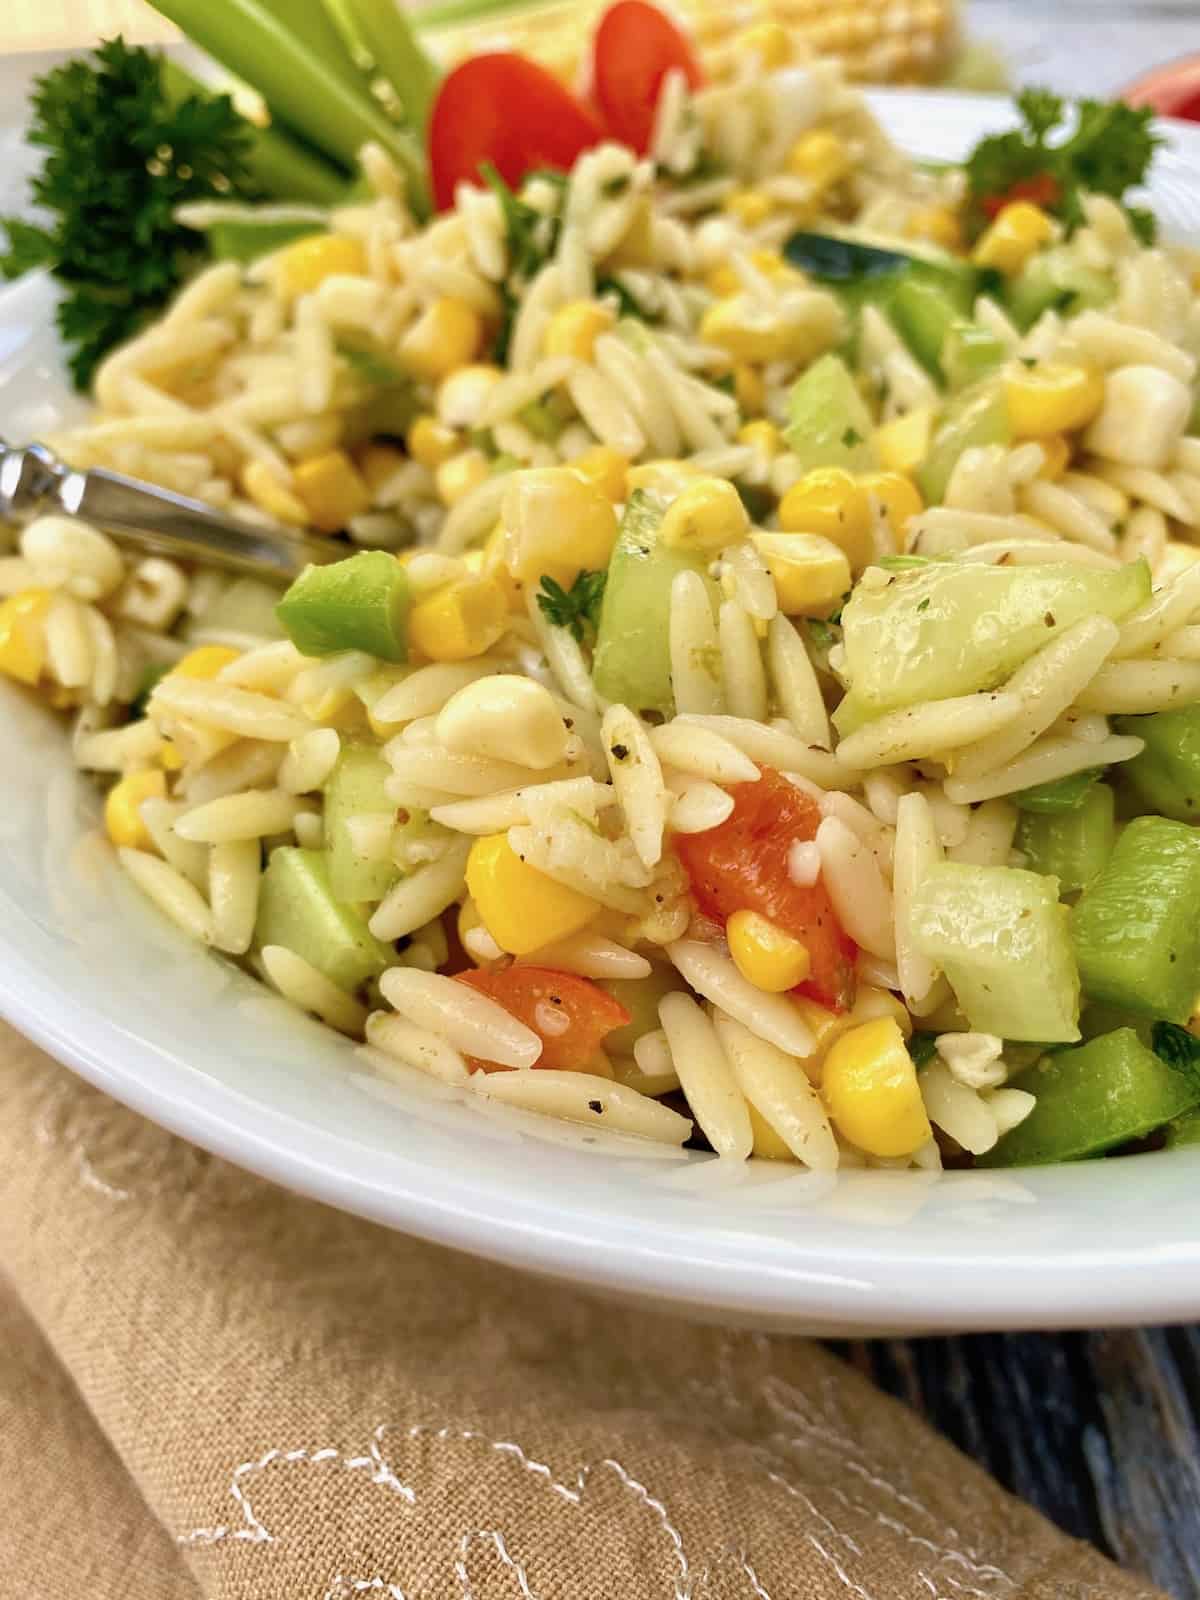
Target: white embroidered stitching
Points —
{"points": [[496, 1539], [343, 1586]]}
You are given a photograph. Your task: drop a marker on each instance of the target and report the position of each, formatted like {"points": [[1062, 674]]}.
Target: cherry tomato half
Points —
{"points": [[1173, 90], [570, 1015], [636, 46], [1042, 190], [742, 865], [506, 110]]}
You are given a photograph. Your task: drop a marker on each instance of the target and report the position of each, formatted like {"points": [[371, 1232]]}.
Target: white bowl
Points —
{"points": [[94, 974]]}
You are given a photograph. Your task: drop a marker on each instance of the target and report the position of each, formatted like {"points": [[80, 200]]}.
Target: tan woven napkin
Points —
{"points": [[210, 1388]]}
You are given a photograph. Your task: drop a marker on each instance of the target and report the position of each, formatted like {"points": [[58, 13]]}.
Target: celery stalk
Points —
{"points": [[392, 45], [309, 22]]}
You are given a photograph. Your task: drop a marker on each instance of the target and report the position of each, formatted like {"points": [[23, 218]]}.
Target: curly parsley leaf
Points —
{"points": [[576, 608]]}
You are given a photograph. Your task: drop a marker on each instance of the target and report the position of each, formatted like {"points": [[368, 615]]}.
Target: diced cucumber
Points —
{"points": [[632, 662], [975, 418], [1073, 845], [1185, 1130], [297, 908], [1090, 1100], [640, 997], [246, 607], [357, 604], [861, 270], [1136, 931], [1166, 776], [1001, 938], [1060, 794], [970, 353], [829, 424], [357, 788], [955, 627], [923, 315], [1055, 280]]}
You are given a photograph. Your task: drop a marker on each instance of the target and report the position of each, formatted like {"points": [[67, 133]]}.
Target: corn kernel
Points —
{"points": [[488, 560], [722, 280], [1051, 397], [1018, 230], [903, 443], [749, 390], [575, 327], [462, 393], [445, 336], [430, 442], [520, 907], [122, 808], [831, 502], [898, 498], [825, 1025], [605, 469], [169, 758], [460, 621], [938, 224], [871, 1002], [22, 634], [205, 662], [556, 523], [821, 157], [771, 42], [1056, 456], [305, 265], [811, 573], [268, 494], [458, 475], [765, 955], [870, 1088], [332, 489], [378, 463], [768, 1146], [753, 331], [749, 206], [707, 516], [762, 436]]}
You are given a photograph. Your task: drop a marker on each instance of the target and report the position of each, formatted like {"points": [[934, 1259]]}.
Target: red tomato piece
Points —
{"points": [[570, 1015], [1173, 90], [636, 46], [742, 865], [504, 109], [1043, 190]]}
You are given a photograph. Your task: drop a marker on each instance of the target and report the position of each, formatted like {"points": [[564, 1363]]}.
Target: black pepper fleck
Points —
{"points": [[596, 1106], [1048, 619], [620, 752]]}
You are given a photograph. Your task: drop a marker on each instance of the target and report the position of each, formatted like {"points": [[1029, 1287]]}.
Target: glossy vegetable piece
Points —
{"points": [[1166, 776], [923, 315], [298, 909], [357, 604], [742, 865], [1001, 938], [636, 45], [1072, 845], [1056, 280], [975, 418], [571, 1015], [860, 272], [1062, 794], [1136, 931], [969, 354], [357, 788], [1093, 1099], [502, 110], [956, 627], [632, 662], [1184, 1131], [828, 421], [247, 238], [640, 997]]}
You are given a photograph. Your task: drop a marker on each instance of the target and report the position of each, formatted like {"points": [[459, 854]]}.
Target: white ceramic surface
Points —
{"points": [[97, 977]]}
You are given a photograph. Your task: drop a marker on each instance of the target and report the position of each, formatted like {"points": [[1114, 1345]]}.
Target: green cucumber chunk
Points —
{"points": [[357, 604], [1136, 929], [975, 418], [1001, 938], [632, 662], [1166, 776], [1184, 1130], [1060, 794], [1055, 280], [1072, 845], [923, 315], [1093, 1099], [357, 788], [829, 424], [956, 627], [640, 997], [969, 354], [862, 272], [297, 908]]}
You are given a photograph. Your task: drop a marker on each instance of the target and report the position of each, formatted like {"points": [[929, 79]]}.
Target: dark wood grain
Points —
{"points": [[1097, 1430]]}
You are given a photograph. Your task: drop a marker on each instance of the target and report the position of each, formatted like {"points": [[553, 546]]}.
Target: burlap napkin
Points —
{"points": [[210, 1388]]}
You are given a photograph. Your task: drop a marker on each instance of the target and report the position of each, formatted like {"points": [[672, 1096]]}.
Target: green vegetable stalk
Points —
{"points": [[388, 37]]}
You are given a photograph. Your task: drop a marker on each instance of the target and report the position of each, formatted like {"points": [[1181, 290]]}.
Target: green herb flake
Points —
{"points": [[922, 1047], [851, 437], [1177, 1047], [576, 608]]}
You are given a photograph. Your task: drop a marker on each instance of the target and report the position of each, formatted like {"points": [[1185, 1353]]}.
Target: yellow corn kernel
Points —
{"points": [[303, 266], [871, 1002], [765, 955], [898, 498], [903, 443], [332, 489], [771, 42], [707, 516], [762, 436], [268, 494], [460, 621], [604, 468], [825, 1025], [722, 280], [870, 1088], [938, 224], [22, 635], [430, 442], [751, 331], [520, 907], [169, 758], [772, 265], [768, 1146], [811, 573], [205, 662], [377, 463], [821, 157], [833, 503], [1018, 230], [446, 335], [487, 560], [749, 390], [556, 523], [1056, 454], [122, 808], [1051, 397], [575, 327], [458, 475], [750, 206]]}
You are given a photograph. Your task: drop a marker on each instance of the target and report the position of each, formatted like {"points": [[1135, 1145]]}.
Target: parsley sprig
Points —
{"points": [[576, 608]]}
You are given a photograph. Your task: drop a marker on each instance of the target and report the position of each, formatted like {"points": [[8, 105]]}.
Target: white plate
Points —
{"points": [[89, 970]]}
